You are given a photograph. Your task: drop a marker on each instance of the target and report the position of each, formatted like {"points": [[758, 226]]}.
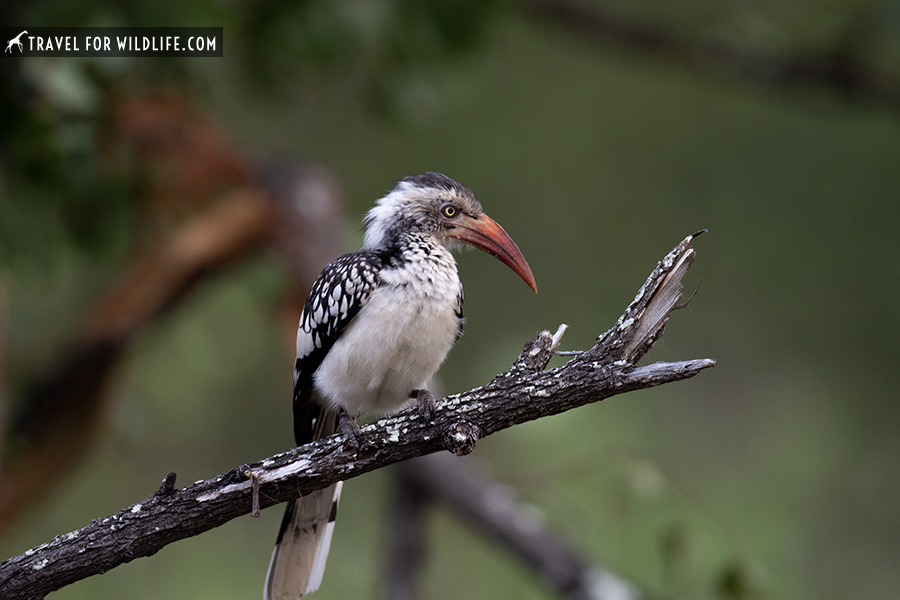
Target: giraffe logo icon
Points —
{"points": [[16, 41]]}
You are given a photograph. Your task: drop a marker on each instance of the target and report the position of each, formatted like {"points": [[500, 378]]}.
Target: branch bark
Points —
{"points": [[525, 392]]}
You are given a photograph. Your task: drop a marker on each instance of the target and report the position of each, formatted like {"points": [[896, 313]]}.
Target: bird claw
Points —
{"points": [[426, 404], [350, 430]]}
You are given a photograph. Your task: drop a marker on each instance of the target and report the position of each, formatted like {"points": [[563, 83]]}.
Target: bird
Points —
{"points": [[376, 326]]}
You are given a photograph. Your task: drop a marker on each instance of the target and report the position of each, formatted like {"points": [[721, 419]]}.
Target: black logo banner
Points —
{"points": [[112, 41]]}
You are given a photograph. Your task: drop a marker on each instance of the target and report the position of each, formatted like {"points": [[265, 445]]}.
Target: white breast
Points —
{"points": [[397, 341]]}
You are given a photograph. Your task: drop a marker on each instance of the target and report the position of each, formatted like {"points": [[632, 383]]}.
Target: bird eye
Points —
{"points": [[449, 211]]}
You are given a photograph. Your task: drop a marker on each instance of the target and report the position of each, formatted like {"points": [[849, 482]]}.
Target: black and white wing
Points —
{"points": [[341, 290]]}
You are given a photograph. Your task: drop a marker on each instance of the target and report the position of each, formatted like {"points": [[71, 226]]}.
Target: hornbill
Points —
{"points": [[375, 328]]}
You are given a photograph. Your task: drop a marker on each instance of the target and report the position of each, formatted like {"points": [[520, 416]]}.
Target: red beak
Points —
{"points": [[486, 234]]}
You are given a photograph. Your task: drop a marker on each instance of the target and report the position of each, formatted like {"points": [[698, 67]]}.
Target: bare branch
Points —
{"points": [[525, 392]]}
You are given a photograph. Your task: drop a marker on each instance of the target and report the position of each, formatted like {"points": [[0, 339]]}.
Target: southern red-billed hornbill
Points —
{"points": [[376, 326]]}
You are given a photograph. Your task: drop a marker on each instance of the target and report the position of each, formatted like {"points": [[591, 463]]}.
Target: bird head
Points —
{"points": [[435, 205]]}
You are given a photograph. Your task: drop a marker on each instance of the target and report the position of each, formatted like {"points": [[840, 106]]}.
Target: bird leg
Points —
{"points": [[425, 403], [350, 430]]}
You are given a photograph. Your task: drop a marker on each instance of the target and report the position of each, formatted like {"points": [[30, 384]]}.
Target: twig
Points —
{"points": [[254, 490], [525, 392]]}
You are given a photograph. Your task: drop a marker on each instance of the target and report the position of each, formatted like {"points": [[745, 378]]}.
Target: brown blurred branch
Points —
{"points": [[152, 284], [527, 391], [206, 213], [62, 410], [840, 68]]}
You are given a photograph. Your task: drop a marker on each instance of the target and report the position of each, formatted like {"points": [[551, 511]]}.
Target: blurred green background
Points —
{"points": [[779, 469]]}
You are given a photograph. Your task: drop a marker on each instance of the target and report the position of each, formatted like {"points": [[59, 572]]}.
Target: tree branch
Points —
{"points": [[525, 392]]}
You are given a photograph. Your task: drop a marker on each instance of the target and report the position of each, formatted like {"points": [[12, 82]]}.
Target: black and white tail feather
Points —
{"points": [[304, 540], [298, 561]]}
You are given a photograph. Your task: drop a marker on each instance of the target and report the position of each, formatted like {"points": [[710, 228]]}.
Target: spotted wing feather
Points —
{"points": [[340, 291]]}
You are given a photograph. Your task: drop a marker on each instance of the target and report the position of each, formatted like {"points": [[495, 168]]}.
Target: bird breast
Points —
{"points": [[397, 341]]}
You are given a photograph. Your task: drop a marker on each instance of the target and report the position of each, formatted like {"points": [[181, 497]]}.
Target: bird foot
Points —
{"points": [[350, 430], [425, 402]]}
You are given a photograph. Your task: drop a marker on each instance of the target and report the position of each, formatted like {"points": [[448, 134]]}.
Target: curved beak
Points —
{"points": [[486, 234]]}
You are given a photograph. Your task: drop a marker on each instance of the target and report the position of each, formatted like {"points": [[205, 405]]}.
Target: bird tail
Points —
{"points": [[298, 561]]}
